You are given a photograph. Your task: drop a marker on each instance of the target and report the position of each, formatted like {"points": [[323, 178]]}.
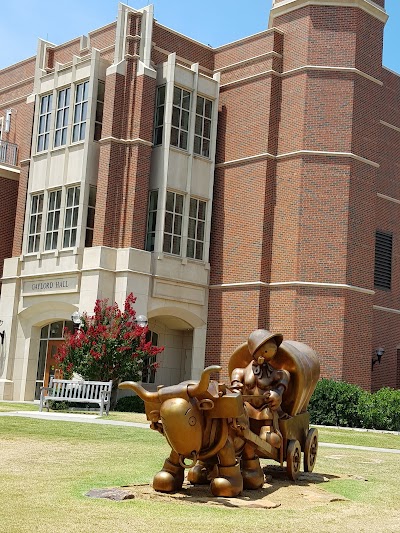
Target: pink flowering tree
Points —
{"points": [[108, 346]]}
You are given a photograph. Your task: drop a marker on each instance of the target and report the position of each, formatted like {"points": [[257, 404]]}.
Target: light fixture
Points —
{"points": [[379, 353], [141, 320], [2, 333], [76, 320]]}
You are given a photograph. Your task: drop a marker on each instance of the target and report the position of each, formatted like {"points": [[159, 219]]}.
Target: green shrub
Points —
{"points": [[381, 410], [336, 403], [130, 404]]}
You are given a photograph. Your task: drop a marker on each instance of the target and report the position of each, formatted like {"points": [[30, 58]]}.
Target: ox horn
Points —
{"points": [[202, 385], [144, 394]]}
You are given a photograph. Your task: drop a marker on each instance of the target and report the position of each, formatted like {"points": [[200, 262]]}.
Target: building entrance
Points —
{"points": [[51, 337]]}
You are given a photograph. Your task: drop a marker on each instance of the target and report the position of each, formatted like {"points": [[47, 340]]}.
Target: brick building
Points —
{"points": [[250, 185]]}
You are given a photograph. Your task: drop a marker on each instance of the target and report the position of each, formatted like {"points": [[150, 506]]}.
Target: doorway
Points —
{"points": [[51, 337]]}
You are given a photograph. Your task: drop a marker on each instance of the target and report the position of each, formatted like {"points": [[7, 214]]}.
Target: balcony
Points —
{"points": [[8, 153]]}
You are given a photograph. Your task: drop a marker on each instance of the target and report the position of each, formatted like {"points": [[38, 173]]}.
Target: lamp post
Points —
{"points": [[141, 320], [2, 333], [378, 352], [76, 320]]}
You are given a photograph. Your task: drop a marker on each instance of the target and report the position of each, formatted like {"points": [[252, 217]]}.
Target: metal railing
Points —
{"points": [[8, 153]]}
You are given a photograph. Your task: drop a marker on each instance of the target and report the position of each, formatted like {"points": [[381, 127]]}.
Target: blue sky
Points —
{"points": [[213, 22]]}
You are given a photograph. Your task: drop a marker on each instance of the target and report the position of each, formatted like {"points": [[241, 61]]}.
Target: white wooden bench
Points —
{"points": [[65, 390]]}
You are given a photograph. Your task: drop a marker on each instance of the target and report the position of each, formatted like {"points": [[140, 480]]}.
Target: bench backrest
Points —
{"points": [[91, 390]]}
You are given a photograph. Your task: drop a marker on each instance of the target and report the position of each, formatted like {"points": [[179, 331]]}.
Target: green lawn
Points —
{"points": [[46, 468]]}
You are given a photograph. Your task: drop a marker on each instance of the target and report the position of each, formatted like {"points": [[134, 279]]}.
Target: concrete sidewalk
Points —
{"points": [[94, 419]]}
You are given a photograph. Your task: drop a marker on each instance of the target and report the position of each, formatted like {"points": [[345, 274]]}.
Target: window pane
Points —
{"points": [[170, 201], [206, 148], [161, 95], [198, 125], [199, 250], [202, 211], [176, 246], [200, 231], [174, 136], [175, 116], [167, 243], [179, 203], [186, 100], [183, 140], [192, 228], [153, 200], [200, 105], [56, 330], [168, 222], [208, 109], [177, 96], [178, 225], [190, 248], [193, 208]]}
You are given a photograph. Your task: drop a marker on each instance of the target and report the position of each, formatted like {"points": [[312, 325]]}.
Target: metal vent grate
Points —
{"points": [[383, 260]]}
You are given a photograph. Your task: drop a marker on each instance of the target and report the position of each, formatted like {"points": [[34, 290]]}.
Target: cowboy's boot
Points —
{"points": [[200, 474]]}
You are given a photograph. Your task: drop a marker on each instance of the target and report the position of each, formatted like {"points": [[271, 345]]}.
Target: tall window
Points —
{"points": [[98, 124], [180, 118], [71, 217], [149, 371], [44, 122], [203, 126], [173, 223], [383, 260], [35, 223], [151, 221], [159, 118], [80, 111], [62, 111], [196, 229], [53, 220], [90, 216]]}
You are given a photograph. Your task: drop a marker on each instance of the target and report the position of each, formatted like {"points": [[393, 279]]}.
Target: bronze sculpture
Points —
{"points": [[223, 430]]}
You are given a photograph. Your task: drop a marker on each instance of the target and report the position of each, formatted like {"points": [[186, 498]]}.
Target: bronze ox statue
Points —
{"points": [[222, 430]]}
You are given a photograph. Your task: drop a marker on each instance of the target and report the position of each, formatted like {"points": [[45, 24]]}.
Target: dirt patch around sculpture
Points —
{"points": [[277, 491]]}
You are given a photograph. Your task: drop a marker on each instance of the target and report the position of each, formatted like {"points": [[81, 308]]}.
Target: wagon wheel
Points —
{"points": [[310, 450], [293, 459]]}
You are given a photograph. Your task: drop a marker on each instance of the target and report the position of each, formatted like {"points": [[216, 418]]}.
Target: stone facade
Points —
{"points": [[279, 155]]}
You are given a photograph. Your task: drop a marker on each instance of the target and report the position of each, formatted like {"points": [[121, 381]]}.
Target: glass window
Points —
{"points": [[151, 221], [35, 223], [196, 229], [90, 216], [159, 117], [44, 122], [202, 131], [173, 223], [53, 220], [80, 112], [60, 137], [71, 217], [98, 124], [180, 118]]}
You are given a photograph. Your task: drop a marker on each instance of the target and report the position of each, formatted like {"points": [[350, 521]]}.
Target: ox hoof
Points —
{"points": [[253, 476], [229, 482], [199, 474], [169, 479]]}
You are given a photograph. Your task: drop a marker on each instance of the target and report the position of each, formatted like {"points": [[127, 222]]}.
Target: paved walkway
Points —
{"points": [[93, 419]]}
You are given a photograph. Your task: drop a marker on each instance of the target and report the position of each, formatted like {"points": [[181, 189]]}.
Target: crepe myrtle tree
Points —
{"points": [[109, 345]]}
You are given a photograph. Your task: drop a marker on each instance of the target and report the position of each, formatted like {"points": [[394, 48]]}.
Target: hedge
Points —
{"points": [[336, 403], [130, 404]]}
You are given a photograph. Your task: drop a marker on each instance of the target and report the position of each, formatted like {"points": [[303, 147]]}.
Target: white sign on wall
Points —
{"points": [[52, 285]]}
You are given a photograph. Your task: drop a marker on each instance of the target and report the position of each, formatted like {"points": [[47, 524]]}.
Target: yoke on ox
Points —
{"points": [[207, 424]]}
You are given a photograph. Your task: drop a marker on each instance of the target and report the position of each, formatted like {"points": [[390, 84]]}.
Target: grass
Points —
{"points": [[48, 466]]}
